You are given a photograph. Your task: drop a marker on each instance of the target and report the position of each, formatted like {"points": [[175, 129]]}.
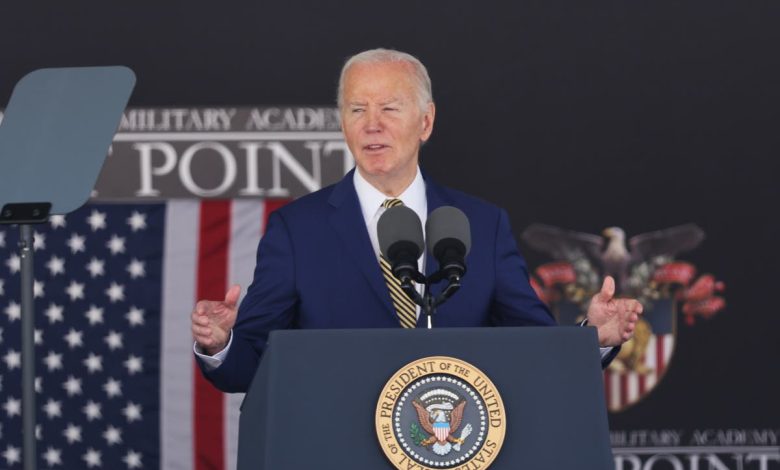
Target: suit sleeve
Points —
{"points": [[270, 304], [515, 303]]}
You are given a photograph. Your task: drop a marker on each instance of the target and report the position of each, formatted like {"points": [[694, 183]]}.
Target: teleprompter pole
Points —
{"points": [[26, 245]]}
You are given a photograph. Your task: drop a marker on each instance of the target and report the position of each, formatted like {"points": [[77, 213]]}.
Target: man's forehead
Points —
{"points": [[392, 78]]}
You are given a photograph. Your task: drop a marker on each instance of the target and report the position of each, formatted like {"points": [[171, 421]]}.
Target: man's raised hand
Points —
{"points": [[614, 318], [212, 321]]}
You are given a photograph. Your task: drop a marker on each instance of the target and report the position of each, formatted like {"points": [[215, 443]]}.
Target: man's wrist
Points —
{"points": [[215, 350]]}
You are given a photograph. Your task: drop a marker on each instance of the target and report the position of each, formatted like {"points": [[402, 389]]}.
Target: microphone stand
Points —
{"points": [[428, 301]]}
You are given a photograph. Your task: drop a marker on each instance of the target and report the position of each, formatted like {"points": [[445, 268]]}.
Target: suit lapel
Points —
{"points": [[347, 221]]}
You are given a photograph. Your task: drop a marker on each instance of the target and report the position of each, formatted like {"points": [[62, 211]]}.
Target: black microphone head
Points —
{"points": [[400, 224], [448, 224]]}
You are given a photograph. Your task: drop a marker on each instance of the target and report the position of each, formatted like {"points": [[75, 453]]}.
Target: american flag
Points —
{"points": [[116, 382]]}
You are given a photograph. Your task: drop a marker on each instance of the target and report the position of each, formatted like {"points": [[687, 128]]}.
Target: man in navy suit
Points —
{"points": [[318, 263]]}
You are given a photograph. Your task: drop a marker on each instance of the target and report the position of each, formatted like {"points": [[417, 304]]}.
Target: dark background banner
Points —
{"points": [[581, 115]]}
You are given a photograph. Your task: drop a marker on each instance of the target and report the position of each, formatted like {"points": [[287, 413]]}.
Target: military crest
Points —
{"points": [[440, 412], [645, 267]]}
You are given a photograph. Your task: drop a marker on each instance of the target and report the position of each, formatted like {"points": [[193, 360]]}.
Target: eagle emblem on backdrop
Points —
{"points": [[645, 267]]}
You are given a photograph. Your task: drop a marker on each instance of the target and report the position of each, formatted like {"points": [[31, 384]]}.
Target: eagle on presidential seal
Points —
{"points": [[440, 413], [644, 267]]}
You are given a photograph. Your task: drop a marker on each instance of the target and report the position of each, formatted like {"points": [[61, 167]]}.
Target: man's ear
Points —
{"points": [[427, 122]]}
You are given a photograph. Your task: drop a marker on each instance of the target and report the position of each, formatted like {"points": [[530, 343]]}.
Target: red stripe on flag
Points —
{"points": [[212, 278], [642, 385], [659, 356]]}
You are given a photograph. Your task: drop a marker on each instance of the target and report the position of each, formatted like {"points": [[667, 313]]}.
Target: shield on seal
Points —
{"points": [[441, 430]]}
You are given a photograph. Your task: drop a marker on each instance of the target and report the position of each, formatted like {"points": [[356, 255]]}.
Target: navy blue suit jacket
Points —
{"points": [[316, 268]]}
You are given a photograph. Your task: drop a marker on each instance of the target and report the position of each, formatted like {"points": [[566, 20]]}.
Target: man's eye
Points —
{"points": [[388, 108], [357, 110]]}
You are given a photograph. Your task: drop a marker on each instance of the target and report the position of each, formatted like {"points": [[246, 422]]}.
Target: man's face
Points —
{"points": [[383, 123]]}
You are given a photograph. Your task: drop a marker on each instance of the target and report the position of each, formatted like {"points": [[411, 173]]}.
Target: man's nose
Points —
{"points": [[373, 121]]}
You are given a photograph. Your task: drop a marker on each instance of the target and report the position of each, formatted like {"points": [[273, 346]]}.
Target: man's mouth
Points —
{"points": [[373, 147]]}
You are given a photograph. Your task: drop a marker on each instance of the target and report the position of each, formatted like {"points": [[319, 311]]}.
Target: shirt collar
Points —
{"points": [[371, 199]]}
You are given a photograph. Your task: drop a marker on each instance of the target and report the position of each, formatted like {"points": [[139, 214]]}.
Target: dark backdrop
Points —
{"points": [[581, 114]]}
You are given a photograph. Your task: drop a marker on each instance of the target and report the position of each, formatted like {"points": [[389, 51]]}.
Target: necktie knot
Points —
{"points": [[392, 202]]}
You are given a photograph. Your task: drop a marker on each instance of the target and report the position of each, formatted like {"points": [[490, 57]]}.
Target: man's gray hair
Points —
{"points": [[376, 56]]}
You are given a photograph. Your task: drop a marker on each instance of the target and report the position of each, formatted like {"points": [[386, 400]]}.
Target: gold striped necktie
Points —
{"points": [[404, 307]]}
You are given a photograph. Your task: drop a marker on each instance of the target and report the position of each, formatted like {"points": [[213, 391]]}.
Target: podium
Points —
{"points": [[313, 401]]}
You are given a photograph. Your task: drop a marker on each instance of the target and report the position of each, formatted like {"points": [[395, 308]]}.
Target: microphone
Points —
{"points": [[401, 241], [449, 240]]}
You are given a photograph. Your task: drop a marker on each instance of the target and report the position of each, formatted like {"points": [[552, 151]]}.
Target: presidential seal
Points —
{"points": [[440, 412]]}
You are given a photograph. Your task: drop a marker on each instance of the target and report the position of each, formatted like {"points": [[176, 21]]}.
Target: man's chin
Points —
{"points": [[374, 169]]}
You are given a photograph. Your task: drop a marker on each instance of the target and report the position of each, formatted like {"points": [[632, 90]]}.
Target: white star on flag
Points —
{"points": [[13, 407], [72, 433], [94, 315], [76, 243], [116, 245], [136, 269], [13, 359], [14, 311], [12, 455], [97, 220], [93, 458], [56, 265], [116, 292], [94, 363], [52, 408], [112, 435], [74, 338], [132, 412], [96, 267], [53, 361], [14, 263], [72, 386], [38, 291], [39, 241], [137, 221], [57, 221], [54, 313], [113, 388], [92, 410], [52, 457], [134, 364], [75, 291], [135, 316], [132, 459], [113, 340]]}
